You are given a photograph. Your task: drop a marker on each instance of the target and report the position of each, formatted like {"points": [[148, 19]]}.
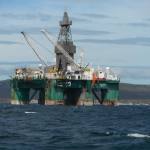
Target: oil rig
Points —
{"points": [[66, 82]]}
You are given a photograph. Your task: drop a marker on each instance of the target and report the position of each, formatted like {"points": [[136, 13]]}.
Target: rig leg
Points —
{"points": [[20, 96], [41, 99], [72, 96]]}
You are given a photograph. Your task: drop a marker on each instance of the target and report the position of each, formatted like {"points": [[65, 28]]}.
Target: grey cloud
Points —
{"points": [[147, 19], [40, 16], [139, 24], [144, 41], [20, 63], [136, 75], [134, 72], [18, 29], [55, 30], [77, 19], [14, 63], [89, 32], [96, 16], [10, 42]]}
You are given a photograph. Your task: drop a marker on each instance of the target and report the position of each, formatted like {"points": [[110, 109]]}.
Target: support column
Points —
{"points": [[41, 99], [20, 96]]}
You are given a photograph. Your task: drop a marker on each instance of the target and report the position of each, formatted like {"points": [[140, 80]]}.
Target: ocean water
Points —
{"points": [[37, 127]]}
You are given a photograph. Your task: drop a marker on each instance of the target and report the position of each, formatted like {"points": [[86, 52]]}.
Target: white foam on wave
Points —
{"points": [[124, 104], [137, 135], [30, 112], [132, 104], [107, 133]]}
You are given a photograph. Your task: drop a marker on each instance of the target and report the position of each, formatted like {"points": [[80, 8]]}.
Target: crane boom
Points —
{"points": [[34, 50], [61, 49]]}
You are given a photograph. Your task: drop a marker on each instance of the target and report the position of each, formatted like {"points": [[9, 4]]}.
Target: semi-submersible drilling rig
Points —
{"points": [[66, 82]]}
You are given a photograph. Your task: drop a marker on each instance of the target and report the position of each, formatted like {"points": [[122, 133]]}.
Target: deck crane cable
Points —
{"points": [[34, 50], [51, 39], [40, 44]]}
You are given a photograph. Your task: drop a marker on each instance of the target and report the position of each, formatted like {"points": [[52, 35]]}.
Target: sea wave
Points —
{"points": [[61, 127], [30, 112], [132, 104], [137, 135]]}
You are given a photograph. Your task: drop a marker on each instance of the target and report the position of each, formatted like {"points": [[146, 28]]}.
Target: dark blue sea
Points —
{"points": [[36, 127]]}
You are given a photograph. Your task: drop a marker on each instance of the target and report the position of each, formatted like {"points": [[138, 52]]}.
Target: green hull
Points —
{"points": [[64, 91]]}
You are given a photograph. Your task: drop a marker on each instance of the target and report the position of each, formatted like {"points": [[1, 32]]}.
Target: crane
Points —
{"points": [[61, 49], [26, 37]]}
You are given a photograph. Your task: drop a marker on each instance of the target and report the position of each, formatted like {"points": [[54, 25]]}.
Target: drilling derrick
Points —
{"points": [[65, 40]]}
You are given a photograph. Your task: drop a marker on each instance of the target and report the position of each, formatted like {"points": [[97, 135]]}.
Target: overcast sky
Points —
{"points": [[112, 32]]}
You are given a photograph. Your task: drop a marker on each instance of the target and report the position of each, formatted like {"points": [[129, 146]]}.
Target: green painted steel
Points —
{"points": [[66, 83], [109, 89], [32, 83], [57, 89], [53, 92], [21, 94], [20, 90], [112, 95]]}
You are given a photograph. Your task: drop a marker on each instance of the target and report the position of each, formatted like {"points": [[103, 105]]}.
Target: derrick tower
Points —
{"points": [[65, 40]]}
